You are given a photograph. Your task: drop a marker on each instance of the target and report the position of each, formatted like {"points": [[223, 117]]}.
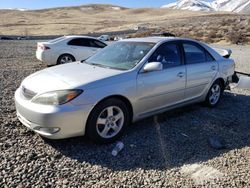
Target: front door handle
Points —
{"points": [[180, 74]]}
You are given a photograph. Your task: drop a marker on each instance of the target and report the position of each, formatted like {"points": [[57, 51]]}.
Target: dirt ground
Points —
{"points": [[167, 150]]}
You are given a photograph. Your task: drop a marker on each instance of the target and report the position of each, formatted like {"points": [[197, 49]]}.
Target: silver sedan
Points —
{"points": [[125, 82]]}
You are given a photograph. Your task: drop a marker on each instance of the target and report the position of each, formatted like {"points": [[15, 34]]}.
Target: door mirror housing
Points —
{"points": [[152, 66]]}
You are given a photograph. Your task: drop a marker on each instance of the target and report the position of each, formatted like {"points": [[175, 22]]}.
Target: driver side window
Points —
{"points": [[168, 54]]}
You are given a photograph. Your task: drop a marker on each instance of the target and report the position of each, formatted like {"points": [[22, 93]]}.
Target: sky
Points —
{"points": [[40, 4]]}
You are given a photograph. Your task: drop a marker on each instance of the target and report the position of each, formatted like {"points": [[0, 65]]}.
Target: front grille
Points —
{"points": [[26, 93]]}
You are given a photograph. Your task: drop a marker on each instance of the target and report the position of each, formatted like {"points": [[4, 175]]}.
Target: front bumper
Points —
{"points": [[54, 122]]}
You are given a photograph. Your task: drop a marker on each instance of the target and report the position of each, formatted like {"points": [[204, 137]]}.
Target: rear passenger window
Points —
{"points": [[168, 55], [75, 42], [79, 42], [195, 54], [85, 42], [209, 57]]}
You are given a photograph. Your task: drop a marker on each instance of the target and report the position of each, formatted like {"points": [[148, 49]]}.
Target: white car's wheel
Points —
{"points": [[65, 58], [108, 121]]}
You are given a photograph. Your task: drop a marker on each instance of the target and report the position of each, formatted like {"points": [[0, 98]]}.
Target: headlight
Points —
{"points": [[57, 97]]}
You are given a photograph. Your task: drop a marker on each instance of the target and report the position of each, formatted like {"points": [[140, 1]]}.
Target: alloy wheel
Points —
{"points": [[215, 93], [66, 59], [110, 122]]}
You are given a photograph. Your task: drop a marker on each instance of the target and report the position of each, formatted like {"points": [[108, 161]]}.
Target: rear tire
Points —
{"points": [[107, 121], [214, 94], [65, 58]]}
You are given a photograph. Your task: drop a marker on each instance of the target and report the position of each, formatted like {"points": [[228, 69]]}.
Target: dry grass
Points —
{"points": [[209, 27], [232, 29]]}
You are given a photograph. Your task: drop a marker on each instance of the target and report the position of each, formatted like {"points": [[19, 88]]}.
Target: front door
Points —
{"points": [[160, 89], [80, 48]]}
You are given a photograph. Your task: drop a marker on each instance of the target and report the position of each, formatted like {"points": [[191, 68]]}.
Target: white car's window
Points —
{"points": [[57, 40], [97, 44], [121, 55], [79, 42], [168, 54], [85, 42], [195, 54]]}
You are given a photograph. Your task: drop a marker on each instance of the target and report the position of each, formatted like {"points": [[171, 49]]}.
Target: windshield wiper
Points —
{"points": [[89, 63], [99, 65], [116, 68], [103, 66]]}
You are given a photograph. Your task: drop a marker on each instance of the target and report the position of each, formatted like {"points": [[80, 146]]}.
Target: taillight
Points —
{"points": [[42, 47]]}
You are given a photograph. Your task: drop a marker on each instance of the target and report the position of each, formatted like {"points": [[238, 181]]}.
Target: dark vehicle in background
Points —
{"points": [[6, 38]]}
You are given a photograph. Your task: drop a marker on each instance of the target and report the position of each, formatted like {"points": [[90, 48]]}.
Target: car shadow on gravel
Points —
{"points": [[171, 139]]}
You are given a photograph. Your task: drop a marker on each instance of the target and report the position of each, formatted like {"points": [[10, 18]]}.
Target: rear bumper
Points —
{"points": [[54, 122], [44, 57]]}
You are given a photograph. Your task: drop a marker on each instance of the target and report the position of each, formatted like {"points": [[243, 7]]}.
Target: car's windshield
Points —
{"points": [[121, 55]]}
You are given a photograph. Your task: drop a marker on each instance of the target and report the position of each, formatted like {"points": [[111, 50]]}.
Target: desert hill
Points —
{"points": [[106, 18]]}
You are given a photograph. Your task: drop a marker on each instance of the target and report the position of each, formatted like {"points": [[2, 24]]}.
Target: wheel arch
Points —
{"points": [[120, 97], [222, 81]]}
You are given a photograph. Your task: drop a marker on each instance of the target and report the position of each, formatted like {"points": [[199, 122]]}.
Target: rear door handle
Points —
{"points": [[213, 67], [180, 74]]}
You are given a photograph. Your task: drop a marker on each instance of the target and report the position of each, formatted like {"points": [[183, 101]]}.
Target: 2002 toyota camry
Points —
{"points": [[124, 82]]}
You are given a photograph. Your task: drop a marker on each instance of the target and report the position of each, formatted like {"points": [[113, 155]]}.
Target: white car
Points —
{"points": [[68, 49]]}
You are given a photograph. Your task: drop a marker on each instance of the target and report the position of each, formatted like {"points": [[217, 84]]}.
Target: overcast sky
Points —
{"points": [[39, 4]]}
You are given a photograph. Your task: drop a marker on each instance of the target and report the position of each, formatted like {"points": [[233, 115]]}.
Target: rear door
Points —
{"points": [[81, 48], [159, 89], [201, 69]]}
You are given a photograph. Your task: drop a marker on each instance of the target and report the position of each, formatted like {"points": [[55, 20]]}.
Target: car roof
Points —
{"points": [[166, 39], [79, 36], [156, 39]]}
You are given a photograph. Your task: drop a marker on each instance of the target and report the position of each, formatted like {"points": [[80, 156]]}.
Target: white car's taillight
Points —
{"points": [[42, 47]]}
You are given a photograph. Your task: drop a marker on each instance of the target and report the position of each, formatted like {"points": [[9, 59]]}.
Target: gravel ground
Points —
{"points": [[168, 150]]}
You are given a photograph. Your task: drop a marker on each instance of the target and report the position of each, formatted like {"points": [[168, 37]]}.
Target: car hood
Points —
{"points": [[68, 76]]}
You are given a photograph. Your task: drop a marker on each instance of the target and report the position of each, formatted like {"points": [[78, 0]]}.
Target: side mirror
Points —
{"points": [[152, 66]]}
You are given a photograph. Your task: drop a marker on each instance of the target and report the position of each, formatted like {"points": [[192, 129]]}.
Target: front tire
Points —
{"points": [[214, 94], [107, 121]]}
